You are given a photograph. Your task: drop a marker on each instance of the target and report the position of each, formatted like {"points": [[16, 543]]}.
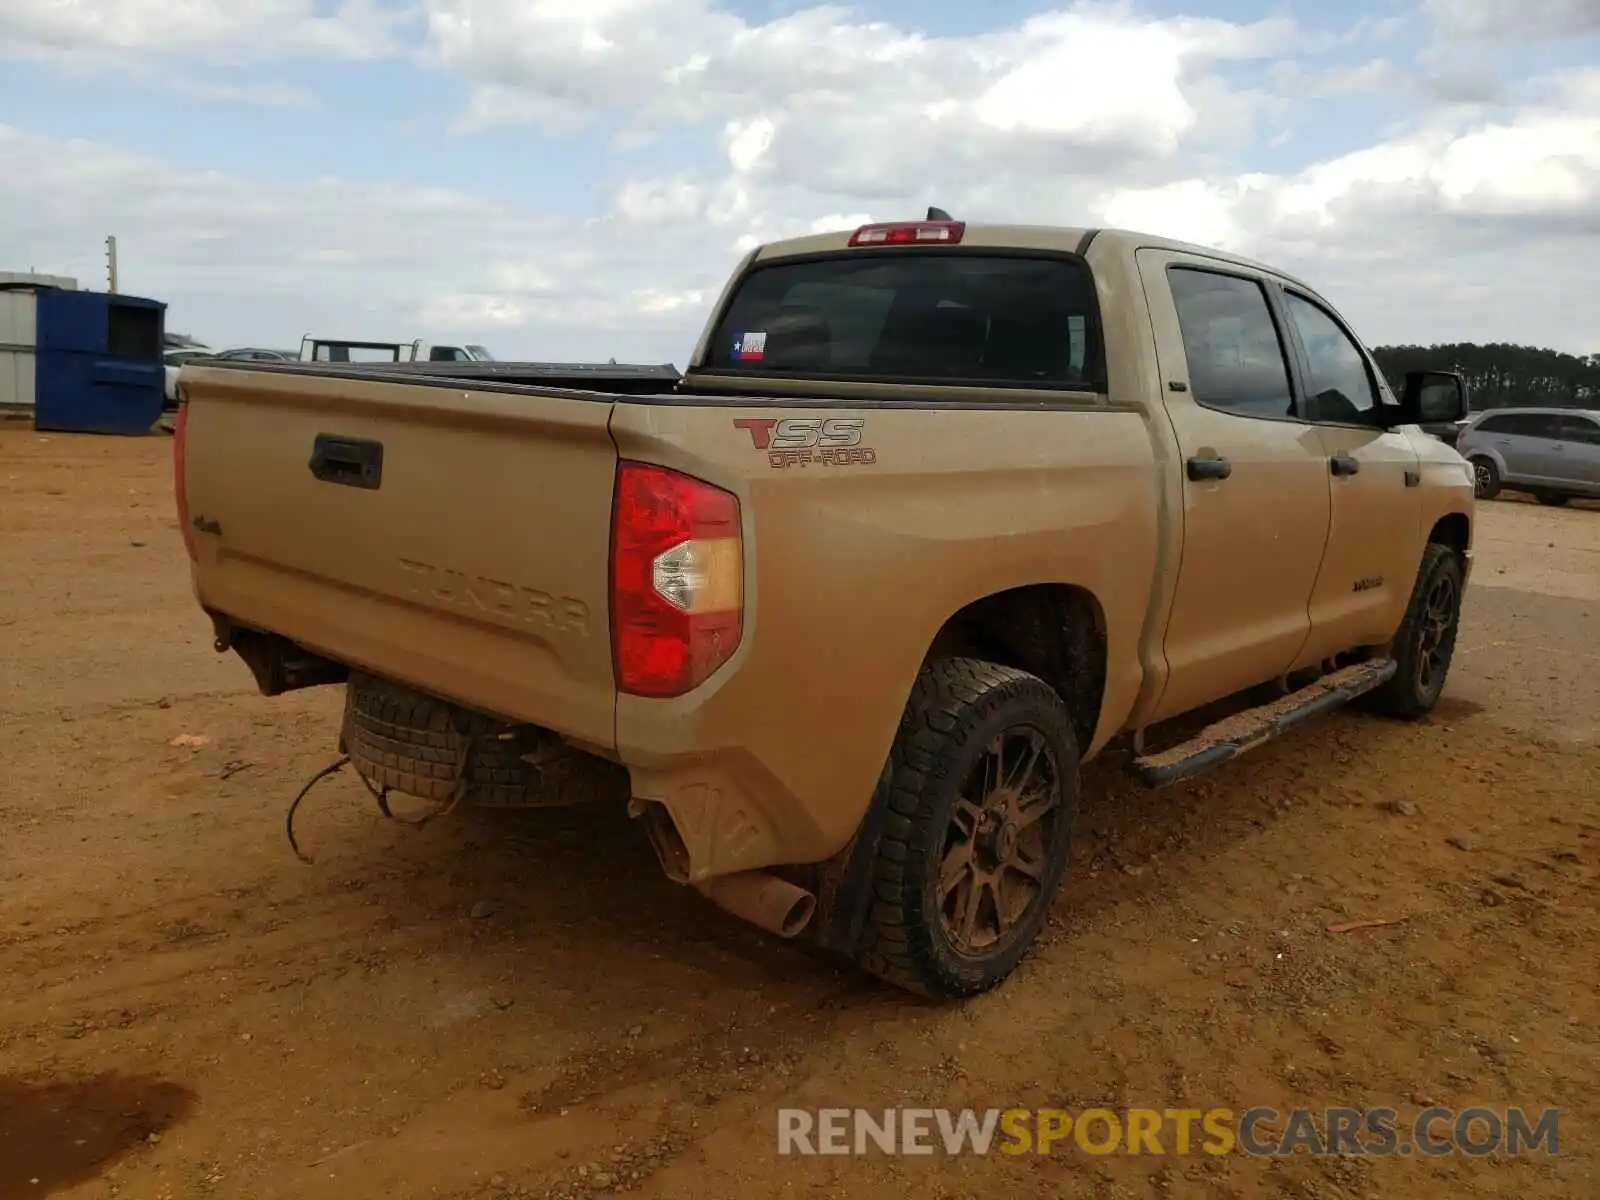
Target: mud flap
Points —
{"points": [[843, 883]]}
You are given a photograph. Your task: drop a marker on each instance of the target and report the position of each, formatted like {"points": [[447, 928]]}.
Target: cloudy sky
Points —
{"points": [[572, 179]]}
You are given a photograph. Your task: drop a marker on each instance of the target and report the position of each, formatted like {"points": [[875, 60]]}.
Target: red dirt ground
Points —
{"points": [[518, 1004]]}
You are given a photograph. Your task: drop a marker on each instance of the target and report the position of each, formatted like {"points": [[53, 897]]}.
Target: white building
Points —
{"points": [[19, 333]]}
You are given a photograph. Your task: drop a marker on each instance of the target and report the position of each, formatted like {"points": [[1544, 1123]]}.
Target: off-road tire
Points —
{"points": [[1552, 499], [957, 706], [414, 744], [1485, 477], [1404, 696]]}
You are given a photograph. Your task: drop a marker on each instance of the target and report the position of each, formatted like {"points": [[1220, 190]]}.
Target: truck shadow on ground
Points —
{"points": [[583, 886], [56, 1134]]}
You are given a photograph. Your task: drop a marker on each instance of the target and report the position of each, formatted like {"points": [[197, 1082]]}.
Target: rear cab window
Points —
{"points": [[955, 317]]}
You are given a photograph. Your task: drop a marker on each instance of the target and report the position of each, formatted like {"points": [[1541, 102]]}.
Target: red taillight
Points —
{"points": [[677, 578], [180, 490], [910, 233]]}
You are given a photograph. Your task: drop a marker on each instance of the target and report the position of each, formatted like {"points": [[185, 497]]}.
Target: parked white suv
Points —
{"points": [[173, 361]]}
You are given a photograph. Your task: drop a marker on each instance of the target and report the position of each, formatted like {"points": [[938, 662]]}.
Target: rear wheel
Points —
{"points": [[983, 796], [1485, 478], [1426, 641]]}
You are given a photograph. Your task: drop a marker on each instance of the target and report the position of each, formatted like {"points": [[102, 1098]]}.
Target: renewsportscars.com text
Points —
{"points": [[1260, 1132]]}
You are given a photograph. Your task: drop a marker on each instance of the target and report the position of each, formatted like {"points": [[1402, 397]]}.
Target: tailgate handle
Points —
{"points": [[353, 462]]}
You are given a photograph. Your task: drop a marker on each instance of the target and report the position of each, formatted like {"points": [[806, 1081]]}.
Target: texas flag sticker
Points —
{"points": [[752, 347]]}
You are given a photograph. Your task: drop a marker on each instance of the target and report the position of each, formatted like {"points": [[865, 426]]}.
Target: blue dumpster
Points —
{"points": [[98, 362]]}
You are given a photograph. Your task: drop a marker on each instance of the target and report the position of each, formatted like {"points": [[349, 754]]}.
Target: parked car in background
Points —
{"points": [[256, 354], [173, 359], [1554, 453], [347, 350]]}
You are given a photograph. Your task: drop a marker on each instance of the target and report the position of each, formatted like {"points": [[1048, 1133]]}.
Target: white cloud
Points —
{"points": [[1542, 170], [80, 31], [1487, 232], [256, 95], [1374, 75], [1471, 223], [823, 99], [247, 261], [1516, 20]]}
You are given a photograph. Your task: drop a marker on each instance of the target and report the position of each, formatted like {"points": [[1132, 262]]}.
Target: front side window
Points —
{"points": [[1498, 425], [1236, 359], [919, 316], [1342, 388]]}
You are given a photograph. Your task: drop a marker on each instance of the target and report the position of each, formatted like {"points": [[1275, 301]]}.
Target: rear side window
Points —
{"points": [[1236, 359], [350, 352], [1580, 429], [1539, 425], [934, 317]]}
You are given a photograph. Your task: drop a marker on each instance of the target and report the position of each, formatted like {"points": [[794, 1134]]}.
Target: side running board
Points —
{"points": [[1232, 736]]}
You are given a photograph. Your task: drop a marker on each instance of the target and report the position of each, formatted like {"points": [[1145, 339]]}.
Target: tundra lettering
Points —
{"points": [[560, 613]]}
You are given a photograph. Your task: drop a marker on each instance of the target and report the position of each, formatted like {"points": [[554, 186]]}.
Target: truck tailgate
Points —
{"points": [[454, 540]]}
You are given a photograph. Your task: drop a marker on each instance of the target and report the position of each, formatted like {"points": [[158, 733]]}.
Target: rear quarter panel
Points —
{"points": [[851, 570]]}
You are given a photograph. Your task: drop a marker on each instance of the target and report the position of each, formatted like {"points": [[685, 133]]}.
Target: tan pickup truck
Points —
{"points": [[936, 512]]}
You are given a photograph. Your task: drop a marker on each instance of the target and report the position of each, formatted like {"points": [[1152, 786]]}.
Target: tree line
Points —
{"points": [[1500, 375]]}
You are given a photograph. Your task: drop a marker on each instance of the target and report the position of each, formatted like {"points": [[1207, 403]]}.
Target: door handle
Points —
{"points": [[1343, 464], [1209, 468], [352, 462]]}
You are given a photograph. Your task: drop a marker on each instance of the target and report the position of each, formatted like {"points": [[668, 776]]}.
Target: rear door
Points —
{"points": [[1256, 498], [1542, 454], [1374, 484], [1580, 451]]}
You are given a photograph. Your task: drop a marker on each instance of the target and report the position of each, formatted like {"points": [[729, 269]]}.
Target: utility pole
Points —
{"points": [[111, 263]]}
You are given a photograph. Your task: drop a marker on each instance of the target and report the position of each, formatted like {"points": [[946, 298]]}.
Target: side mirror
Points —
{"points": [[1433, 398]]}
